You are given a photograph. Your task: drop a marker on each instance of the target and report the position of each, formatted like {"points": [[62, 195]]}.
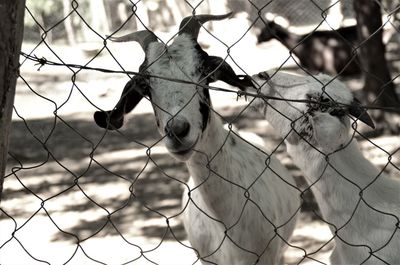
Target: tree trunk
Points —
{"points": [[69, 29], [142, 16], [11, 34], [377, 88], [175, 11], [98, 22]]}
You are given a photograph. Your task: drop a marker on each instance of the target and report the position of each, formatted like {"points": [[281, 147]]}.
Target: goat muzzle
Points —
{"points": [[177, 128]]}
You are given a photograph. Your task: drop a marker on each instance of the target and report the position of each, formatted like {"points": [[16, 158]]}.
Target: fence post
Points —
{"points": [[11, 33]]}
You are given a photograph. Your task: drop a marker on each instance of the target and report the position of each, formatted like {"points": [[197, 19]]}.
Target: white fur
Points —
{"points": [[222, 167], [370, 222]]}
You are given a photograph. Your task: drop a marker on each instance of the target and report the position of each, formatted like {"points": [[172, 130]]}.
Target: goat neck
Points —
{"points": [[348, 189], [360, 203], [213, 154]]}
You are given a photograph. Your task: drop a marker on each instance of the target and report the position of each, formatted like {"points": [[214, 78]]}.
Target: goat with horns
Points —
{"points": [[240, 204], [317, 117]]}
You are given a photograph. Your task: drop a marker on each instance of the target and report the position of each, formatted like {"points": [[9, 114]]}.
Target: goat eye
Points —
{"points": [[313, 104], [324, 104]]}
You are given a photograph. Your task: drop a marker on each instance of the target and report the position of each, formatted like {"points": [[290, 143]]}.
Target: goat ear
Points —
{"points": [[218, 69], [133, 92], [357, 111]]}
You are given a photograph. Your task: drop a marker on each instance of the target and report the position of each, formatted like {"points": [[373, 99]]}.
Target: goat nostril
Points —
{"points": [[182, 130], [177, 129]]}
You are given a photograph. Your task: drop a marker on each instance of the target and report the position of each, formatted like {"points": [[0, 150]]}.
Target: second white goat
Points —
{"points": [[360, 204]]}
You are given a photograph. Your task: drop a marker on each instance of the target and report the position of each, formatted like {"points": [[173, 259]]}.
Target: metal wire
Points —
{"points": [[50, 141]]}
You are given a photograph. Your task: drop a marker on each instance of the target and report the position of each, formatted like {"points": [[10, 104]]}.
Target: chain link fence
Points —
{"points": [[75, 193]]}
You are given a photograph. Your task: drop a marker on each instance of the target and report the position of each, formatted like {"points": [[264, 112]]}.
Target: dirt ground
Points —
{"points": [[69, 180]]}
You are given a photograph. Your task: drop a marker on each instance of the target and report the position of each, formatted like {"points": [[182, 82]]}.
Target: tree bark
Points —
{"points": [[98, 22], [377, 87], [175, 11], [11, 34], [142, 16], [69, 29]]}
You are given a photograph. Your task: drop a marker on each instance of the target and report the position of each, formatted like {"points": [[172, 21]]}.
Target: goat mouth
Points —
{"points": [[185, 151]]}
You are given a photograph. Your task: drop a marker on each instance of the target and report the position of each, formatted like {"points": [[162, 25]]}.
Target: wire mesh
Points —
{"points": [[75, 193]]}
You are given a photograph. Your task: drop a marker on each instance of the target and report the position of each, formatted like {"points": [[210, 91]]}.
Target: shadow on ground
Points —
{"points": [[110, 175], [53, 158]]}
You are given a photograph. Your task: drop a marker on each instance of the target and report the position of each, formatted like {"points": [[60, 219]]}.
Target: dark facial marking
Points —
{"points": [[338, 112], [324, 104], [233, 141], [205, 108], [306, 130], [157, 121], [320, 103]]}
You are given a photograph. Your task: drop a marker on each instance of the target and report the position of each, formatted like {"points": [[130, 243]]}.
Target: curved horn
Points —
{"points": [[356, 110], [191, 25], [143, 37]]}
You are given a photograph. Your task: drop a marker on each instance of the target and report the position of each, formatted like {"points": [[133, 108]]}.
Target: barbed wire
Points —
{"points": [[43, 61], [91, 149]]}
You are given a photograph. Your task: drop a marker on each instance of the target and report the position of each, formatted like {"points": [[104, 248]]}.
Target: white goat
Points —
{"points": [[243, 203], [360, 203]]}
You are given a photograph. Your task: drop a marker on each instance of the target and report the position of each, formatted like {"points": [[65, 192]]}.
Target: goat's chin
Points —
{"points": [[182, 151], [182, 156]]}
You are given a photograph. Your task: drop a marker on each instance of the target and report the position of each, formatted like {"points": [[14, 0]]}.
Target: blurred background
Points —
{"points": [[76, 194]]}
